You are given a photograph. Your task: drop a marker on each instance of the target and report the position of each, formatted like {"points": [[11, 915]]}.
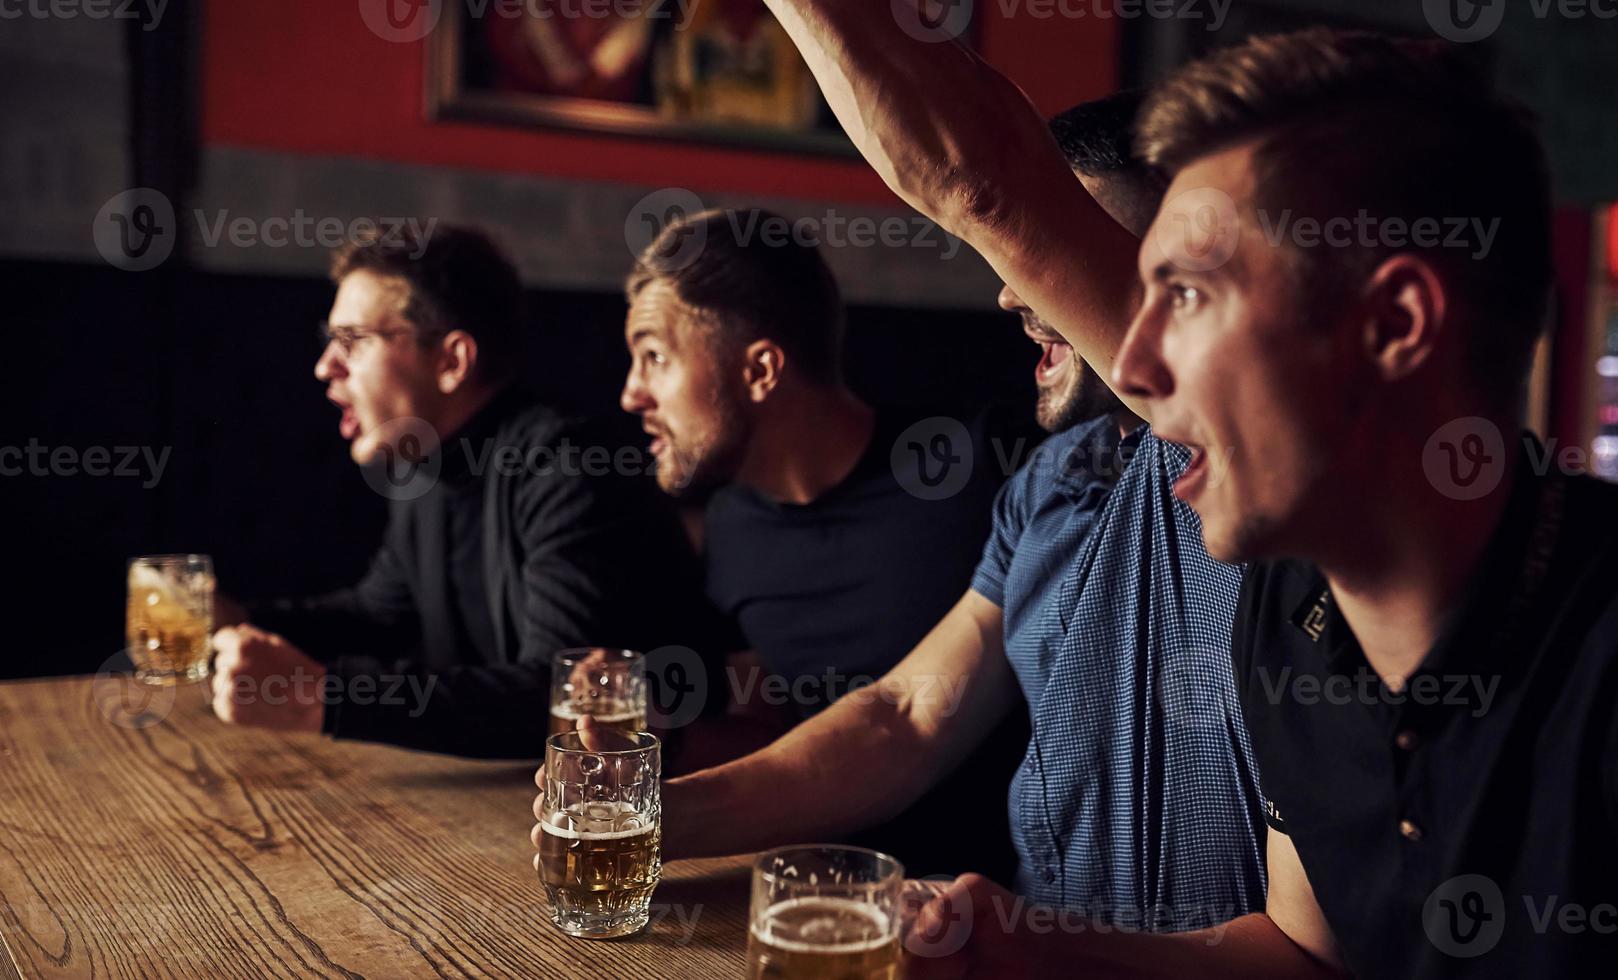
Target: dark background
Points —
{"points": [[220, 368]]}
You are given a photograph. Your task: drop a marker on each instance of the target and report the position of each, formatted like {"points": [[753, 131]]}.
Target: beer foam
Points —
{"points": [[832, 911], [571, 712], [596, 826]]}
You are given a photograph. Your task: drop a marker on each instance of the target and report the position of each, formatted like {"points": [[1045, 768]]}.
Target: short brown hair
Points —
{"points": [[457, 279], [1350, 122], [754, 280]]}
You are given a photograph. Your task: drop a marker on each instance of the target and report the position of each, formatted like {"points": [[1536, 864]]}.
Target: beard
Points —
{"points": [[1081, 396], [692, 471]]}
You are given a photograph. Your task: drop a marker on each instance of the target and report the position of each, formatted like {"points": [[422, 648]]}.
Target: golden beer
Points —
{"points": [[168, 619], [612, 713], [599, 863], [822, 937]]}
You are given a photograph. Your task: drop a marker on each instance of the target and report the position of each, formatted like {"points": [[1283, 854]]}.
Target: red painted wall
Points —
{"points": [[307, 76]]}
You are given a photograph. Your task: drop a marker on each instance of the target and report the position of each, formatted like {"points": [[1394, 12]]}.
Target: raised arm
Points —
{"points": [[961, 143], [860, 761]]}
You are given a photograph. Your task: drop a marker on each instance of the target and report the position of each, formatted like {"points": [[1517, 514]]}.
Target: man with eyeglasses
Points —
{"points": [[513, 530]]}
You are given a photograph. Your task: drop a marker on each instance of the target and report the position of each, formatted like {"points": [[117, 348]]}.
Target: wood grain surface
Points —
{"points": [[140, 836]]}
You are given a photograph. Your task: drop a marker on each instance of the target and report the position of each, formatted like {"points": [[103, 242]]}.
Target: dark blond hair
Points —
{"points": [[750, 285], [1401, 129]]}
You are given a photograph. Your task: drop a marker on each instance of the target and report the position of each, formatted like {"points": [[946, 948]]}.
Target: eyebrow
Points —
{"points": [[639, 332]]}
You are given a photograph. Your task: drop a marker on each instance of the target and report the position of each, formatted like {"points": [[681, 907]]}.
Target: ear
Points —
{"points": [[763, 362], [1407, 307], [457, 358]]}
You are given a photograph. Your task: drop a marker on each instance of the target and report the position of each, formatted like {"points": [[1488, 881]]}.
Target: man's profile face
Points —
{"points": [[387, 375], [1069, 390], [688, 403], [1224, 351]]}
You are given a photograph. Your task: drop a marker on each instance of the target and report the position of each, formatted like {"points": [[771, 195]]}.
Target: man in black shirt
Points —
{"points": [[513, 530], [836, 535]]}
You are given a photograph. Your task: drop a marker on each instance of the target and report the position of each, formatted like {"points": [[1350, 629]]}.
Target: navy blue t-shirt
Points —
{"points": [[847, 585]]}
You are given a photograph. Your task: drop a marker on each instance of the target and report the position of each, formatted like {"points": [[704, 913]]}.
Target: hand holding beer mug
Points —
{"points": [[608, 685], [600, 823], [169, 617], [824, 910]]}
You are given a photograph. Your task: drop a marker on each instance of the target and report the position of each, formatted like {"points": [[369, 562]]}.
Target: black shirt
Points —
{"points": [[522, 546], [837, 591], [1464, 826]]}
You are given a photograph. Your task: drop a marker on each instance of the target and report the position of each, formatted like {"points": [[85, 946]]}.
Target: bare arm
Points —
{"points": [[861, 760], [959, 142], [743, 728], [1289, 941]]}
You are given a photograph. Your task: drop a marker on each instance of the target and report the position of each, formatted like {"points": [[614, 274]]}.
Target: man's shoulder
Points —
{"points": [[1081, 455]]}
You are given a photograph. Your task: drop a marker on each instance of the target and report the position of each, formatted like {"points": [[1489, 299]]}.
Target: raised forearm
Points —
{"points": [[940, 125], [961, 143]]}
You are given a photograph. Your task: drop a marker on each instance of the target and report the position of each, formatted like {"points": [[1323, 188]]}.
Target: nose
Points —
{"points": [[1139, 371], [330, 364], [635, 399], [1010, 301]]}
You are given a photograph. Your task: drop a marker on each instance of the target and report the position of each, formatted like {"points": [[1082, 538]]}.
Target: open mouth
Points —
{"points": [[1054, 358], [660, 441], [1195, 477], [1054, 354], [348, 426]]}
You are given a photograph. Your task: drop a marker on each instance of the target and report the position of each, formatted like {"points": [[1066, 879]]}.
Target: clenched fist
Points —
{"points": [[262, 680]]}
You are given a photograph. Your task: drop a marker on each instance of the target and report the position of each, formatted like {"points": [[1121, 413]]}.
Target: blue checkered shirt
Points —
{"points": [[1137, 802]]}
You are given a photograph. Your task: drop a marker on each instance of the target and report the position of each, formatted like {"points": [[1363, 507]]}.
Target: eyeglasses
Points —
{"points": [[346, 337]]}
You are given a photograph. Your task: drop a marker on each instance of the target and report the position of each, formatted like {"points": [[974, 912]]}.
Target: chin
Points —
{"points": [[363, 450]]}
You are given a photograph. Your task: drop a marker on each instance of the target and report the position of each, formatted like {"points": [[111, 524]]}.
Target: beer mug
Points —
{"points": [[599, 854], [168, 618], [609, 685], [824, 910]]}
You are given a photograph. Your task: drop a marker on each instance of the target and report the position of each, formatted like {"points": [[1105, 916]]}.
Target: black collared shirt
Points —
{"points": [[1465, 825]]}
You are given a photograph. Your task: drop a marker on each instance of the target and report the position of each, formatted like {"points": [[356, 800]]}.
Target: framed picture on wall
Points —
{"points": [[721, 71]]}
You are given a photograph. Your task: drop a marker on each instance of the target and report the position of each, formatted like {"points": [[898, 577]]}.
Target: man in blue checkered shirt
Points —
{"points": [[1136, 804]]}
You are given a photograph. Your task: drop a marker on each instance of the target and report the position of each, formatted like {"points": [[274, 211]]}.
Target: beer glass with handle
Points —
{"points": [[822, 911], [169, 617], [599, 856], [609, 685]]}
